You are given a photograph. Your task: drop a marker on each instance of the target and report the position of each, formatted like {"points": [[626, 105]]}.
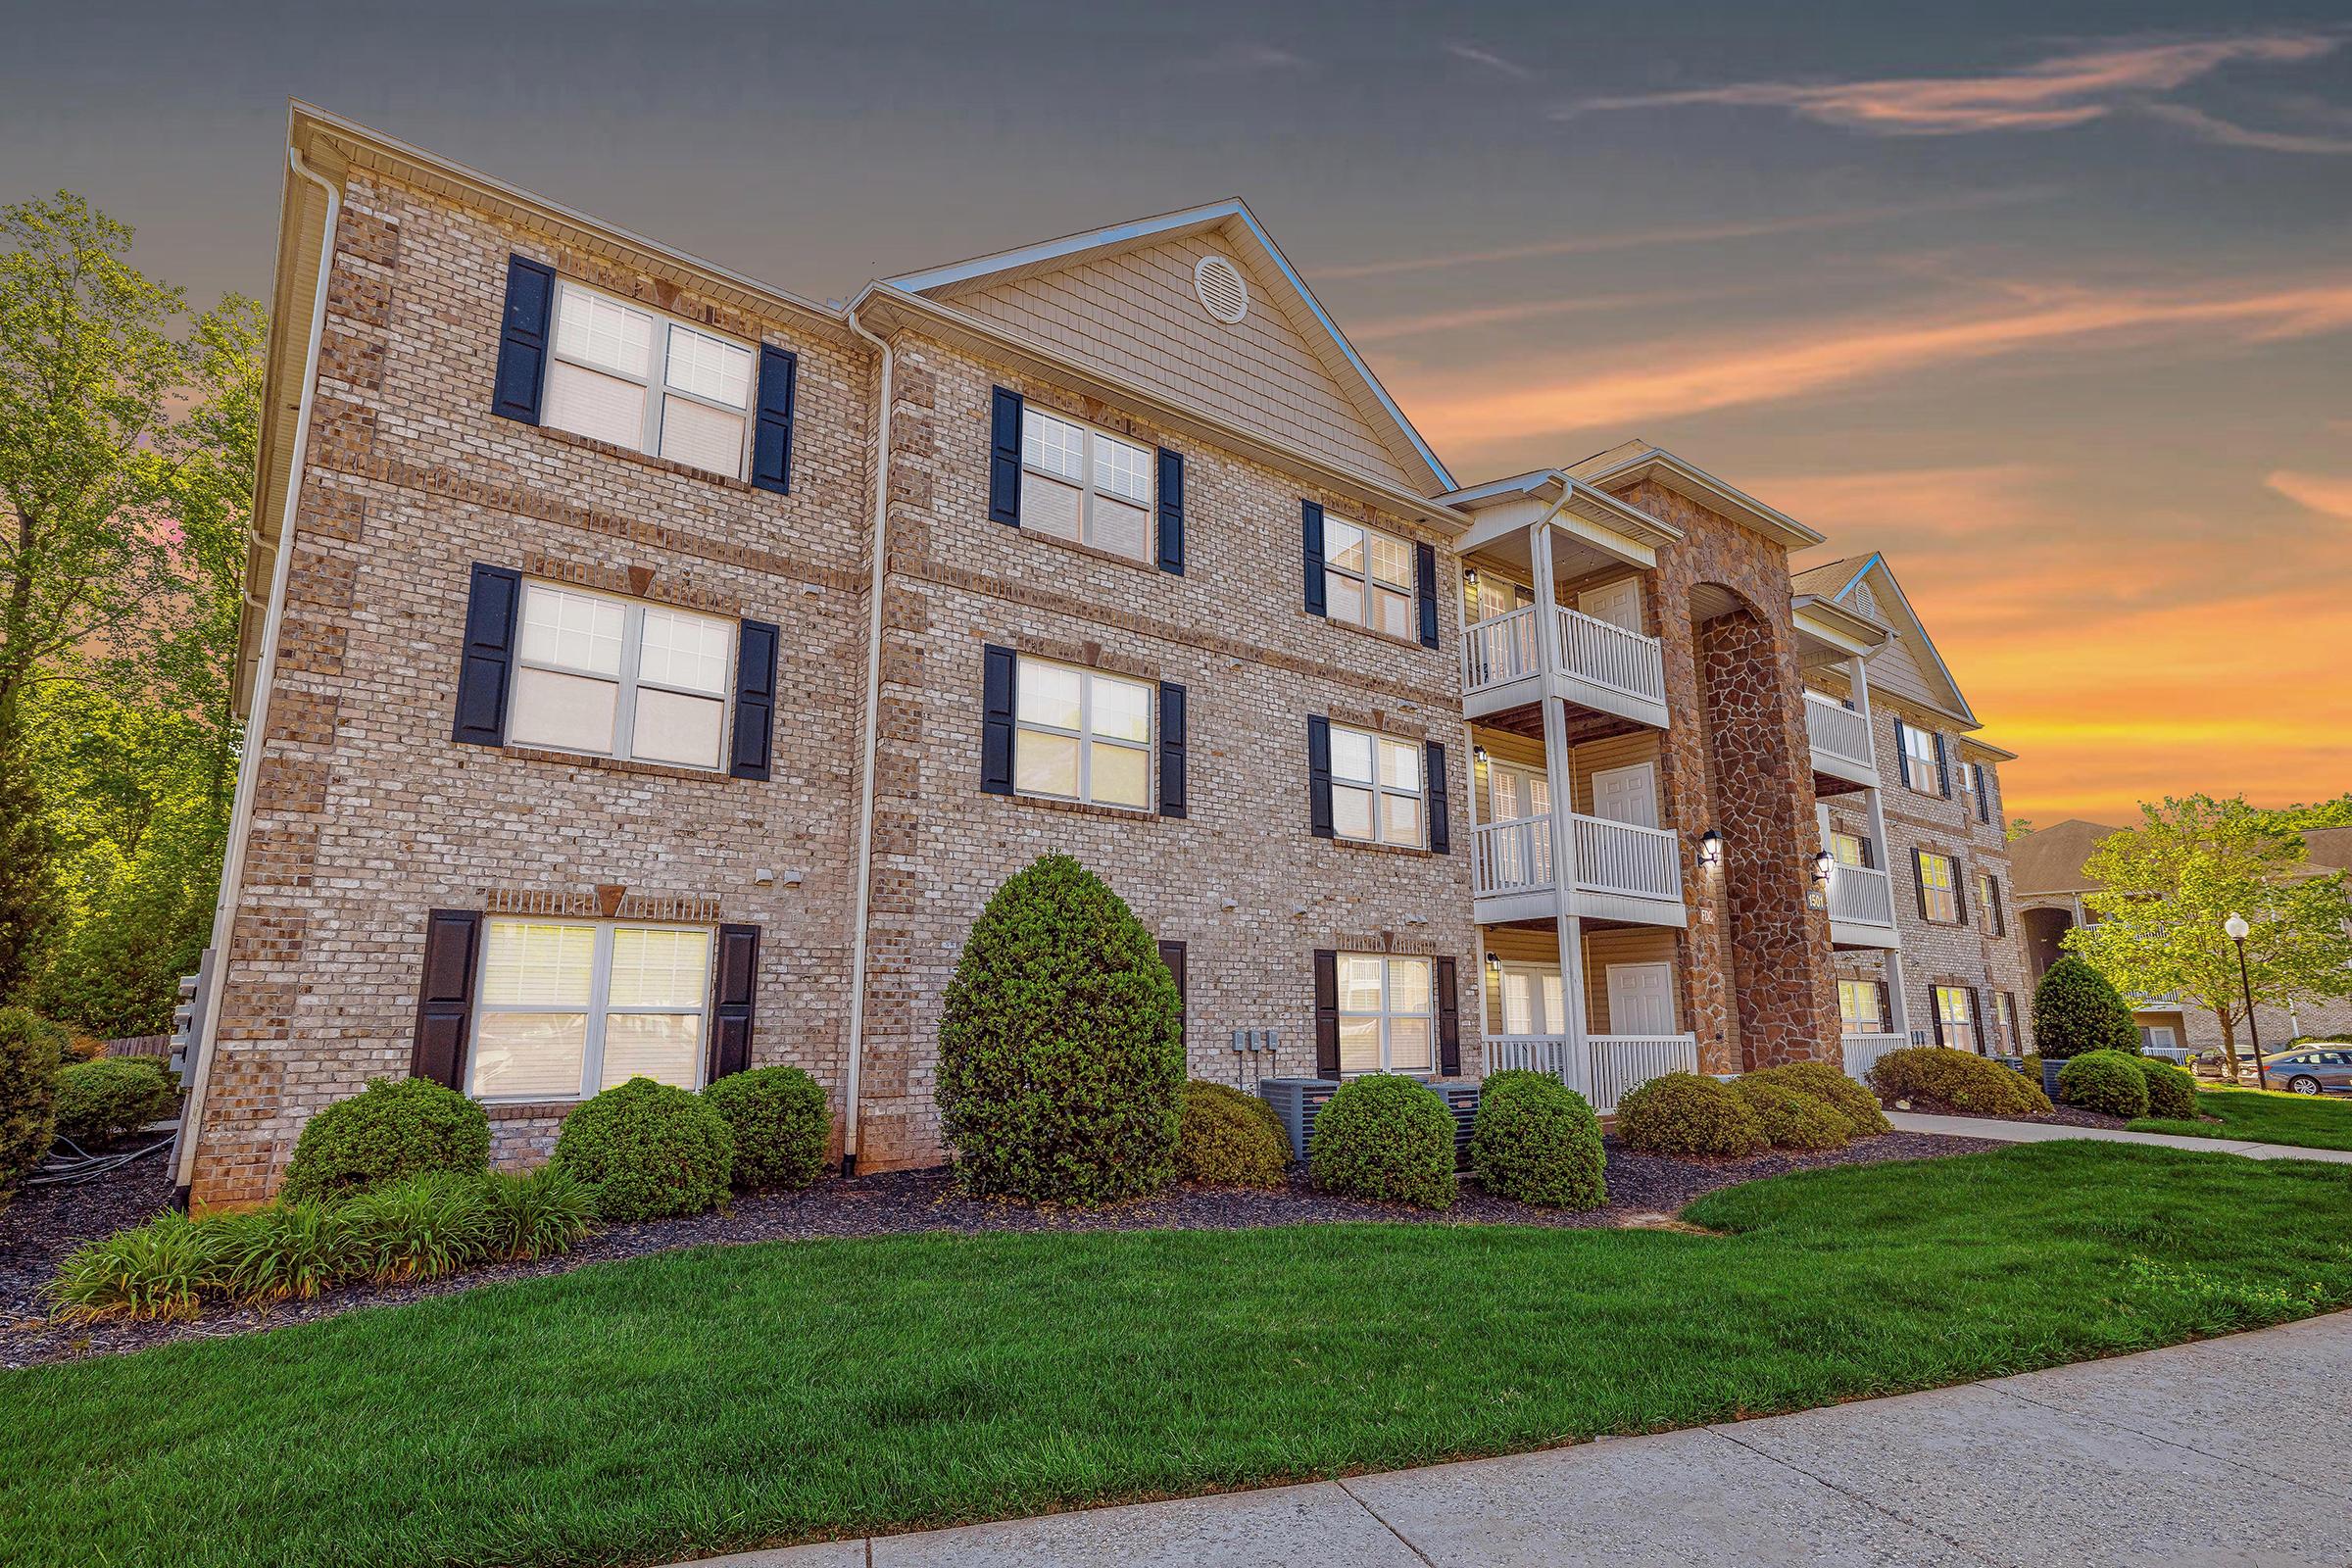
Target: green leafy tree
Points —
{"points": [[2320, 813], [2016, 828], [2170, 885]]}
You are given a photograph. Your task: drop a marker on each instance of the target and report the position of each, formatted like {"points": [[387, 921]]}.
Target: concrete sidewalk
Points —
{"points": [[2042, 1132], [2218, 1453]]}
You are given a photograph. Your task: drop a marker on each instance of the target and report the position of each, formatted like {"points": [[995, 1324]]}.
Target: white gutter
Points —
{"points": [[240, 815], [873, 717]]}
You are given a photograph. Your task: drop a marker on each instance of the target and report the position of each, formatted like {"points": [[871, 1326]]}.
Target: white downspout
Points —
{"points": [[873, 716], [240, 815]]}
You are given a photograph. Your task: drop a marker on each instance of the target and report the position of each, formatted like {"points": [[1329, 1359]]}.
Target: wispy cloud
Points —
{"points": [[1491, 60], [1249, 55], [2327, 493], [2063, 90], [1383, 329], [1593, 244], [2230, 135], [1687, 377]]}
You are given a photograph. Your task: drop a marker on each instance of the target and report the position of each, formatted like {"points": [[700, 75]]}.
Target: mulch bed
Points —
{"points": [[45, 1223], [2059, 1117]]}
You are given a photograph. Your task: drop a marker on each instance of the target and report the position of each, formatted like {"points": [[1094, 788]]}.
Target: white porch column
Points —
{"points": [[1560, 782], [1897, 997]]}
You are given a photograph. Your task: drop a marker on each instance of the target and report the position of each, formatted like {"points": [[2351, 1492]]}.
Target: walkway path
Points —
{"points": [[2043, 1132], [2171, 1456]]}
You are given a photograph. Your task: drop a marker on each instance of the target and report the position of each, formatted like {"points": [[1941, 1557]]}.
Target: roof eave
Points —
{"points": [[1663, 467]]}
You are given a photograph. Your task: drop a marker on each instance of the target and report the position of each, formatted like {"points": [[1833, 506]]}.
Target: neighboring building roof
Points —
{"points": [[2049, 860], [2330, 848]]}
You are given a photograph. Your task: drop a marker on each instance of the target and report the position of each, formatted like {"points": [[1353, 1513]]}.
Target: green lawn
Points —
{"points": [[2249, 1116], [720, 1399]]}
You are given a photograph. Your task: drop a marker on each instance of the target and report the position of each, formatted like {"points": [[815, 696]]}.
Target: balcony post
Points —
{"points": [[1897, 1002], [1560, 783]]}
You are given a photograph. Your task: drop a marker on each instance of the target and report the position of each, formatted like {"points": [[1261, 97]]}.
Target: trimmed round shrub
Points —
{"points": [[2076, 1010], [1846, 1096], [1387, 1138], [392, 1129], [649, 1150], [1537, 1140], [29, 1052], [2171, 1093], [1230, 1139], [781, 1124], [1937, 1078], [2104, 1081], [1684, 1113], [1062, 1046], [1793, 1118], [112, 1097]]}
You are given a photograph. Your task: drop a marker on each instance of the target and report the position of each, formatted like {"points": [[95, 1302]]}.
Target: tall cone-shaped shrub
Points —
{"points": [[1062, 1051], [2077, 1011]]}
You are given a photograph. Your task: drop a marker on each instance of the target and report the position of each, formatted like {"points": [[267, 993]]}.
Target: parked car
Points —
{"points": [[2311, 1071]]}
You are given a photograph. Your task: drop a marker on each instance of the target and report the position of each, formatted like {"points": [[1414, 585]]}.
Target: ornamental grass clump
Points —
{"points": [[1385, 1138], [283, 1251], [394, 1128], [1537, 1140], [1937, 1078], [2172, 1092], [1062, 1046], [162, 1269], [649, 1150], [539, 1214], [781, 1124], [1227, 1137], [1793, 1118], [2109, 1082], [1682, 1113], [112, 1097], [1846, 1095]]}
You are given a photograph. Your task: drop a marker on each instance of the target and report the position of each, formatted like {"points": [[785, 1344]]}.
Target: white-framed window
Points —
{"points": [[1850, 849], [1956, 1014], [1940, 886], [1534, 1001], [2004, 1018], [1858, 1006], [567, 1007], [1376, 789], [637, 378], [1081, 735], [1082, 483], [1919, 750], [621, 677], [1385, 1008], [1368, 579], [1486, 595]]}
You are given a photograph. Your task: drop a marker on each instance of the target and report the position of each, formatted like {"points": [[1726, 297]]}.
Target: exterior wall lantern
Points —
{"points": [[1823, 865], [1710, 850]]}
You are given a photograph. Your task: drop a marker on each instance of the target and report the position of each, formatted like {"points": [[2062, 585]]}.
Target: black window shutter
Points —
{"points": [[1318, 777], [771, 437], [1959, 891], [1870, 852], [1171, 512], [1887, 1019], [1425, 591], [1441, 838], [1935, 1013], [996, 720], [1902, 752], [445, 996], [1984, 794], [755, 699], [732, 990], [493, 603], [1450, 1020], [523, 340], [1976, 1025], [1326, 1012], [1919, 881], [1311, 522], [1005, 459], [1171, 749], [1171, 953], [1943, 769]]}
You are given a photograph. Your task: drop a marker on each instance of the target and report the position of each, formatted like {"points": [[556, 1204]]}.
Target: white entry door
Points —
{"points": [[1618, 603], [1640, 998], [1533, 1002], [1627, 795]]}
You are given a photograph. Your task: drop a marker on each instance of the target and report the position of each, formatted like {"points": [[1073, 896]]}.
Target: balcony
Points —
{"points": [[1841, 739], [1623, 871], [1614, 1065], [1602, 667], [1862, 908], [1863, 1051]]}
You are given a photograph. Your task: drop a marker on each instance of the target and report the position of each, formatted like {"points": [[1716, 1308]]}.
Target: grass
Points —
{"points": [[725, 1398], [2249, 1116]]}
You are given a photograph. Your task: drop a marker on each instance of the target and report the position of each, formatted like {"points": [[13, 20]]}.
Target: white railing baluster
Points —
{"points": [[1607, 655], [1861, 895], [1499, 649], [1863, 1051], [1838, 730]]}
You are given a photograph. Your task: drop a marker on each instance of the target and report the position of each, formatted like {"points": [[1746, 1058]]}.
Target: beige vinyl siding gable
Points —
{"points": [[1135, 314], [1895, 671]]}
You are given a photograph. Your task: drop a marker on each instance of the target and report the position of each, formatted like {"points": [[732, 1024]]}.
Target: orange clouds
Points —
{"points": [[2321, 492]]}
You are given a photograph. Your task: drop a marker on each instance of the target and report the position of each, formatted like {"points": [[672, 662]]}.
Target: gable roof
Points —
{"points": [[1838, 581], [2049, 860], [1232, 222], [1629, 462]]}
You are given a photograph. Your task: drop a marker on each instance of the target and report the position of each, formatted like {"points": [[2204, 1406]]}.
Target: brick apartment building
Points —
{"points": [[651, 670]]}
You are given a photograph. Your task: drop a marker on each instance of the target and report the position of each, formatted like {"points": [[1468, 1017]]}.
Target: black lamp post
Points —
{"points": [[2238, 931]]}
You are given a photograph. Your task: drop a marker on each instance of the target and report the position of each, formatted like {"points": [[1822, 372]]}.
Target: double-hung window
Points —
{"points": [[1919, 753], [1858, 1006], [567, 1008], [1081, 735], [1081, 483], [1376, 789], [621, 677], [636, 378], [1368, 579], [1384, 1010], [2004, 1012], [1940, 887], [1956, 1016], [1850, 849]]}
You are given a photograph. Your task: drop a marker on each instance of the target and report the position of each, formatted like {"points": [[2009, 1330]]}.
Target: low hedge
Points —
{"points": [[30, 1047], [390, 1130], [112, 1097], [1846, 1095], [649, 1150], [1682, 1113], [1937, 1078], [2105, 1081], [1230, 1139], [1793, 1117], [2172, 1092], [1537, 1140], [1387, 1138], [781, 1124]]}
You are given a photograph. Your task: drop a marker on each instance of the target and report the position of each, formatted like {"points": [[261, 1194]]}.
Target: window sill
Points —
{"points": [[527, 1110], [1414, 849], [1376, 634], [617, 764], [610, 449], [1055, 803], [1094, 552]]}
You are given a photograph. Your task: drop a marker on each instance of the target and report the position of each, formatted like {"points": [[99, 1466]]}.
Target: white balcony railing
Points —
{"points": [[1861, 895], [1615, 1064], [1607, 655], [1528, 1053], [1863, 1051], [1500, 649], [1838, 731], [1610, 858]]}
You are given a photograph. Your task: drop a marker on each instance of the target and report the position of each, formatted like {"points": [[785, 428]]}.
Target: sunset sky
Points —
{"points": [[2052, 305]]}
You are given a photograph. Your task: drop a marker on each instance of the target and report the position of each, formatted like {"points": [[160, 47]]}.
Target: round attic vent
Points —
{"points": [[1222, 292]]}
